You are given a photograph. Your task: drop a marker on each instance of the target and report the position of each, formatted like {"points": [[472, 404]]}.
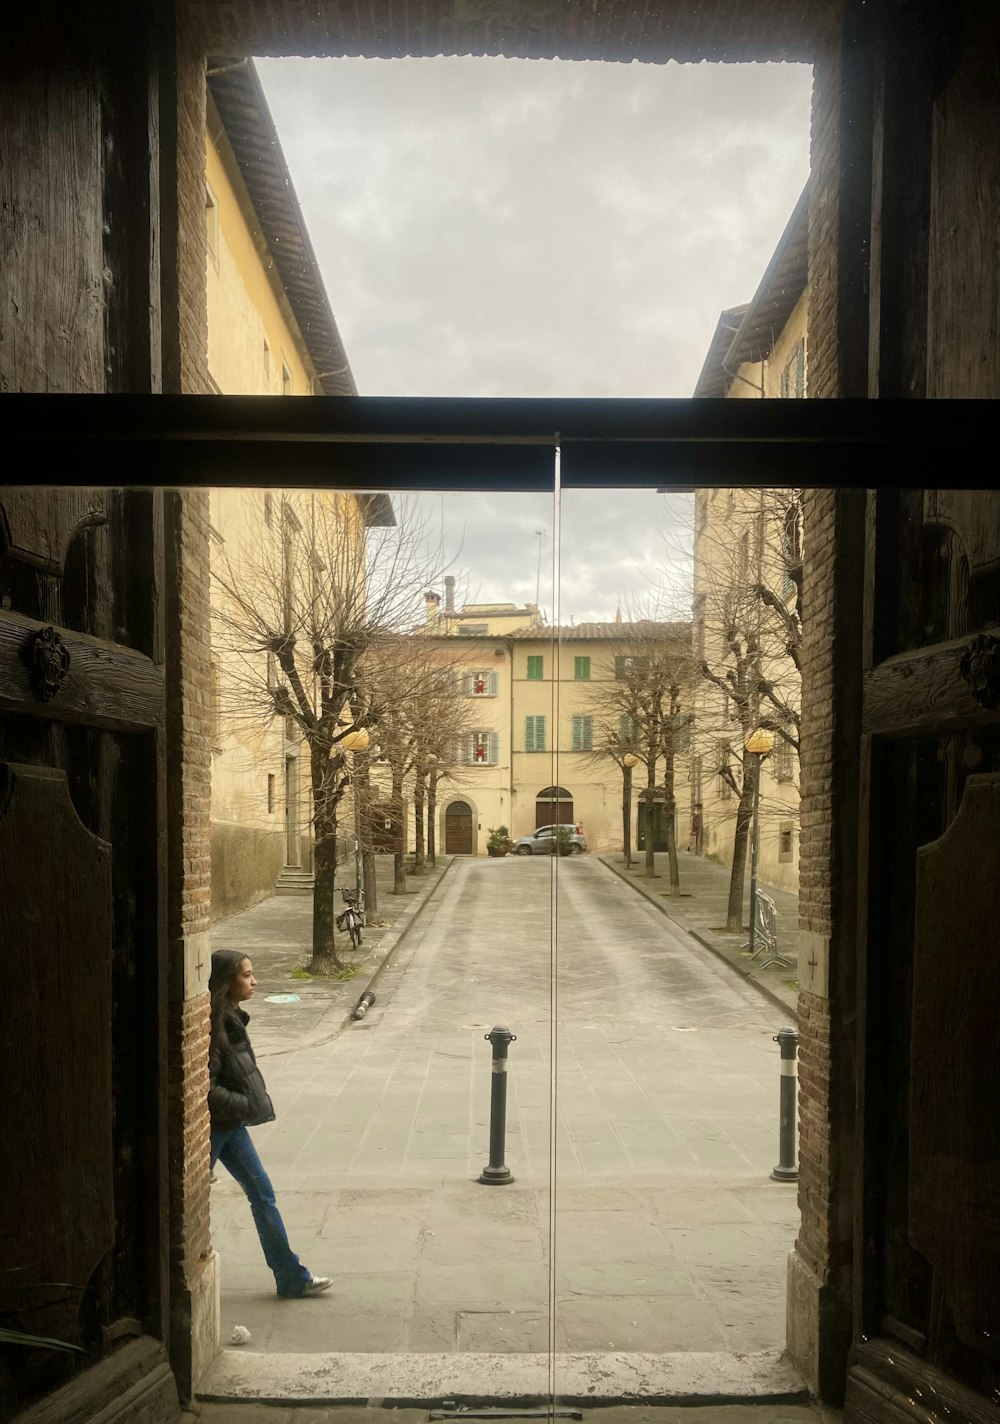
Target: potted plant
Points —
{"points": [[498, 841]]}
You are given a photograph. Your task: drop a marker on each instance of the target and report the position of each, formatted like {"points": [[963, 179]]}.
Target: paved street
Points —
{"points": [[669, 1235]]}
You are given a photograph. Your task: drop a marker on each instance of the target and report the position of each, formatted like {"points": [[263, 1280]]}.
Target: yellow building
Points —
{"points": [[270, 332], [747, 581], [545, 702]]}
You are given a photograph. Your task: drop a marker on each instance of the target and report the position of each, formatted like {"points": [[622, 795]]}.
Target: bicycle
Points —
{"points": [[352, 917]]}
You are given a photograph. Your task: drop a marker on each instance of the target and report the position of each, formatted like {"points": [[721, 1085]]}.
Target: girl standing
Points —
{"points": [[237, 1099]]}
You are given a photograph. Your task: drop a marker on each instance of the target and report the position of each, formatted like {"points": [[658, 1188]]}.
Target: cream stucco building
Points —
{"points": [[271, 331], [747, 580], [544, 699]]}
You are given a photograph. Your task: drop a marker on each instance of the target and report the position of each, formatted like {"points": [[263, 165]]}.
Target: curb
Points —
{"points": [[405, 923], [749, 975]]}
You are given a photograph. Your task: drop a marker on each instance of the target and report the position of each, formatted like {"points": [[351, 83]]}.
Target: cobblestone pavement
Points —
{"points": [[669, 1234]]}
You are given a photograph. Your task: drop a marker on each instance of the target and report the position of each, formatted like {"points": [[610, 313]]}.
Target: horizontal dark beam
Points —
{"points": [[410, 443], [471, 420]]}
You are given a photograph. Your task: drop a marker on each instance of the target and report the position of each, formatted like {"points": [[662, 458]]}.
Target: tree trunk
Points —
{"points": [[627, 816], [650, 870], [363, 792], [324, 950], [399, 827], [432, 787], [744, 815], [419, 789], [671, 812]]}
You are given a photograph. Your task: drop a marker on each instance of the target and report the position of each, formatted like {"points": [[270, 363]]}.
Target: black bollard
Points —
{"points": [[363, 1004], [787, 1169], [496, 1174]]}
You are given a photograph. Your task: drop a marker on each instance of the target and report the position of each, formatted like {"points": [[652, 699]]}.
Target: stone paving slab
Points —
{"points": [[669, 1233], [524, 1379], [701, 911], [770, 1413]]}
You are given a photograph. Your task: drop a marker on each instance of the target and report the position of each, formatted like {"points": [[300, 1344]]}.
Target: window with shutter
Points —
{"points": [[783, 767], [682, 732], [483, 748], [581, 669], [536, 665], [481, 684], [723, 754], [583, 734], [534, 734], [626, 729]]}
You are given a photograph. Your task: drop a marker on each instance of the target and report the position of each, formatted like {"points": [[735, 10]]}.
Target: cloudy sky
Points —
{"points": [[540, 228]]}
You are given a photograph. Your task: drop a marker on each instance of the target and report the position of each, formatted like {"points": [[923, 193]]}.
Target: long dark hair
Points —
{"points": [[225, 966]]}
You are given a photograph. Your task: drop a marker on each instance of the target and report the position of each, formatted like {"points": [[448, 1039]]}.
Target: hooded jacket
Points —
{"points": [[237, 1096]]}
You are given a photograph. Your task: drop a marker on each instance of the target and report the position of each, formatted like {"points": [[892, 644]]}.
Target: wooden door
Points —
{"points": [[927, 1263], [83, 1228], [458, 829]]}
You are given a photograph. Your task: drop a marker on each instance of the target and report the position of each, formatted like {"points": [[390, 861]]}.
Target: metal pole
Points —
{"points": [[627, 815], [753, 851], [787, 1169], [358, 876], [496, 1174]]}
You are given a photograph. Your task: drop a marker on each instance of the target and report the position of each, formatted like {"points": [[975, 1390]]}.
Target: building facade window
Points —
{"points": [[786, 841], [626, 729], [534, 734], [286, 380], [793, 375], [481, 684], [536, 668], [270, 793], [583, 734], [473, 630], [723, 756], [784, 769], [481, 748], [581, 669]]}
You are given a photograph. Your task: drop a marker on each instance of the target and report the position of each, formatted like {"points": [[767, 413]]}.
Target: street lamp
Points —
{"points": [[356, 741], [758, 743], [429, 763], [629, 760]]}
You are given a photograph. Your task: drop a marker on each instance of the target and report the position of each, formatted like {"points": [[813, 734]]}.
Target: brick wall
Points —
{"points": [[189, 684]]}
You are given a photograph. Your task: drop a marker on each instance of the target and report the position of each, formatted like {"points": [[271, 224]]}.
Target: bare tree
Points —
{"points": [[409, 693], [640, 712], [315, 586], [748, 634]]}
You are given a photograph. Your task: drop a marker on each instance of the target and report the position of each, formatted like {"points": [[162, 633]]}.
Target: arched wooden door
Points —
{"points": [[458, 829], [554, 807]]}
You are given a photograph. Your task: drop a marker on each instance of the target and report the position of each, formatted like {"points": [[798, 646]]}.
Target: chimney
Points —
{"points": [[449, 596], [432, 607]]}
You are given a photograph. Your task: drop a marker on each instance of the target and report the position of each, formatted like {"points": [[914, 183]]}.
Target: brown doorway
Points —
{"points": [[554, 807], [458, 829]]}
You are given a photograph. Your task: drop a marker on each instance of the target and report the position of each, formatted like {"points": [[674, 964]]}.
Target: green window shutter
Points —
{"points": [[619, 669], [583, 734], [626, 729], [581, 669], [536, 668], [534, 734]]}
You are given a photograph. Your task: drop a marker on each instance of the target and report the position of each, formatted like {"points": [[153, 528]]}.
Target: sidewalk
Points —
{"points": [[701, 911], [277, 934]]}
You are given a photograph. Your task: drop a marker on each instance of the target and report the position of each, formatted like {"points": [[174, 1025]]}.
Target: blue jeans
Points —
{"points": [[233, 1148]]}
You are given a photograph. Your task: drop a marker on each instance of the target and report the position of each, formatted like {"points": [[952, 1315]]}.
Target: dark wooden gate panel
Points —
{"points": [[458, 829], [82, 953], [928, 1246]]}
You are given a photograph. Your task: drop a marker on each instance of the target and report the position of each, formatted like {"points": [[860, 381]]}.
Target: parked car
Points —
{"points": [[543, 841]]}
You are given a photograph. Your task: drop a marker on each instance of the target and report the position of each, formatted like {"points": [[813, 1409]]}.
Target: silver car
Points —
{"points": [[543, 841]]}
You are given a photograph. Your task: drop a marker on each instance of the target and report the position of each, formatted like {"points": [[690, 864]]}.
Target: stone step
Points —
{"points": [[293, 881]]}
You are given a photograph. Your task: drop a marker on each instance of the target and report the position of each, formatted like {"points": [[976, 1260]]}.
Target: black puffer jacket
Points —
{"points": [[237, 1096]]}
